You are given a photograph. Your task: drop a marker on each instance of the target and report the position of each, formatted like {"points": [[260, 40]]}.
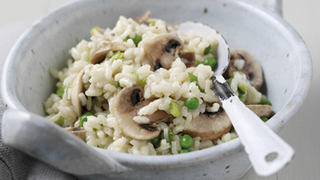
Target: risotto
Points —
{"points": [[144, 88]]}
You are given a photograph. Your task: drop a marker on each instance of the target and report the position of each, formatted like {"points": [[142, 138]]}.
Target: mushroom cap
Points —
{"points": [[145, 18], [127, 105], [188, 58], [76, 89], [251, 68], [161, 50], [100, 54], [209, 126]]}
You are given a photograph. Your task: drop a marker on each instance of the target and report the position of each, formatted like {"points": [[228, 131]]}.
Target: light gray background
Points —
{"points": [[302, 132]]}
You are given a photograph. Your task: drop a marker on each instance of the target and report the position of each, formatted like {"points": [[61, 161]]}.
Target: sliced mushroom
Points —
{"points": [[145, 18], [188, 58], [127, 105], [251, 68], [100, 54], [98, 33], [161, 51], [209, 126], [261, 110], [76, 89], [81, 133]]}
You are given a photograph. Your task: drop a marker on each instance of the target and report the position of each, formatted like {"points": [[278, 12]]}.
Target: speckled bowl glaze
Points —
{"points": [[26, 83]]}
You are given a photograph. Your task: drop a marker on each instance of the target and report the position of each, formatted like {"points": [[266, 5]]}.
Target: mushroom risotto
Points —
{"points": [[145, 88]]}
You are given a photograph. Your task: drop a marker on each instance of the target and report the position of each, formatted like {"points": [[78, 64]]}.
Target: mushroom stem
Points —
{"points": [[100, 54]]}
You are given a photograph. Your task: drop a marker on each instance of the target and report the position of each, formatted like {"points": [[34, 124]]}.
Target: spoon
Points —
{"points": [[267, 152]]}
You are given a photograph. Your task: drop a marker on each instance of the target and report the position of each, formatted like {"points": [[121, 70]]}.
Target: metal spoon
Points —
{"points": [[267, 152]]}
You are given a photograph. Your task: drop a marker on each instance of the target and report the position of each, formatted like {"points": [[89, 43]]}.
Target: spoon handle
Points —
{"points": [[267, 152]]}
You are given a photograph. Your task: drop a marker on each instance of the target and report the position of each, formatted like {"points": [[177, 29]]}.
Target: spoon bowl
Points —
{"points": [[204, 31], [259, 140]]}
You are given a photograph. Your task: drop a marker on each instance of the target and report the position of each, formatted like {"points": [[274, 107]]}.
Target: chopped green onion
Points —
{"points": [[242, 98], [243, 87], [170, 136], [179, 54], [117, 55], [232, 138], [120, 85], [192, 77], [60, 92], [263, 118], [174, 109], [136, 39], [94, 28], [184, 151], [232, 129], [140, 82], [197, 63], [60, 121], [83, 118], [201, 90], [153, 23], [232, 75], [126, 39], [207, 50], [191, 103], [210, 62], [186, 141]]}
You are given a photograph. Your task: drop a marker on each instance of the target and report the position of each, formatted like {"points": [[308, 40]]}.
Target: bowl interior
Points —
{"points": [[27, 82]]}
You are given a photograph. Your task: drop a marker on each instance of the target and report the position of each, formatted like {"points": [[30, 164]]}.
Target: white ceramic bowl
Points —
{"points": [[26, 83]]}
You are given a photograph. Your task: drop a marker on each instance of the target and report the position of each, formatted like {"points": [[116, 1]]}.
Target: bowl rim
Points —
{"points": [[284, 114]]}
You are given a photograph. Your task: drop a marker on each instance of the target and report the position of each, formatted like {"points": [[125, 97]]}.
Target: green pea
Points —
{"points": [[192, 77], [94, 28], [60, 92], [192, 103], [210, 62], [263, 118], [186, 141], [207, 50], [156, 141], [174, 109], [265, 102], [140, 82], [184, 151], [60, 121], [83, 118]]}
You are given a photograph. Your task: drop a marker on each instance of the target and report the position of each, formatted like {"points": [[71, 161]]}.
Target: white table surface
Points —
{"points": [[302, 132]]}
